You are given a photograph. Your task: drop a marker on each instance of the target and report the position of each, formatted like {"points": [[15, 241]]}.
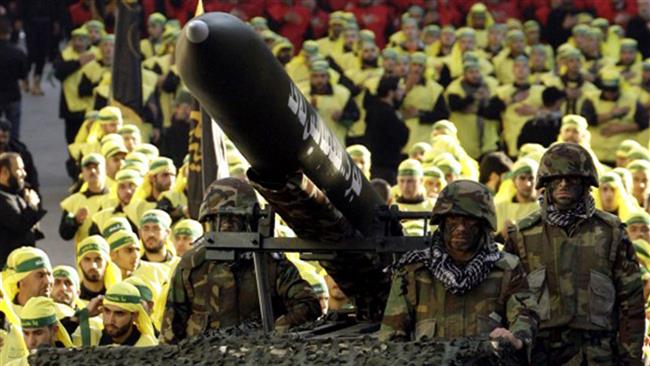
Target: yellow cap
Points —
{"points": [[188, 227], [110, 114]]}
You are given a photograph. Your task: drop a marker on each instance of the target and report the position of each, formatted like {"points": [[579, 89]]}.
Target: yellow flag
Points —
{"points": [[199, 9]]}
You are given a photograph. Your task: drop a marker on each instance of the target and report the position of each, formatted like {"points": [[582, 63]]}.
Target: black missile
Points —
{"points": [[238, 81]]}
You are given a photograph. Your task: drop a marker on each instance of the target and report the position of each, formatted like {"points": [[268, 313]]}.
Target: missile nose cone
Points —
{"points": [[197, 31]]}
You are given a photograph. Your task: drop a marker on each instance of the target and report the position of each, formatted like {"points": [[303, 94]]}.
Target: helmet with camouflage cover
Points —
{"points": [[566, 159], [467, 198], [224, 194]]}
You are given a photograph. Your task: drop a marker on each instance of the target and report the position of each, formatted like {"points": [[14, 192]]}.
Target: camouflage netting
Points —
{"points": [[247, 345]]}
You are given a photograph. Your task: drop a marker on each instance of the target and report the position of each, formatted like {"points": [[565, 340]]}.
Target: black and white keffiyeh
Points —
{"points": [[565, 218], [457, 280]]}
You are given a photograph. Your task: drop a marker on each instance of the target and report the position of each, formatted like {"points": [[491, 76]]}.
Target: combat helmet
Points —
{"points": [[227, 196], [566, 159], [467, 198]]}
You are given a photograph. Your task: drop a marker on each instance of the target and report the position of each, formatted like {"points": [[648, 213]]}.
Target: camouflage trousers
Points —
{"points": [[572, 347]]}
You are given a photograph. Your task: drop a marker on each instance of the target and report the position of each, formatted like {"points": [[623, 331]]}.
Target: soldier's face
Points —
{"points": [[525, 185], [640, 184], [117, 322], [39, 337], [63, 291], [131, 141], [153, 237], [565, 191], [433, 187], [182, 243], [93, 266], [409, 186], [570, 134], [125, 192], [461, 236], [639, 231], [126, 257], [231, 223], [37, 283], [608, 197]]}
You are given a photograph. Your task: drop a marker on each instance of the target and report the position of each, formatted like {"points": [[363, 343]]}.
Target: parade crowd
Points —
{"points": [[523, 127]]}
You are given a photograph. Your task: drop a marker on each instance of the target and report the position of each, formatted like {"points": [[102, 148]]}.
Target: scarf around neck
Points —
{"points": [[456, 279]]}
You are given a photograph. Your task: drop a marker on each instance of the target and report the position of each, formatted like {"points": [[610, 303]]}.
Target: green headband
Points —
{"points": [[39, 322], [31, 265], [409, 173], [183, 231], [638, 219], [145, 293], [93, 247], [522, 170], [124, 299], [121, 242]]}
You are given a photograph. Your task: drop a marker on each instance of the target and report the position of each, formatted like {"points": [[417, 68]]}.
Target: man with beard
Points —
{"points": [[159, 179], [154, 232], [8, 143], [212, 294], [581, 267], [127, 181], [333, 102], [126, 322], [66, 289], [468, 98], [79, 208], [479, 290], [20, 207], [517, 198], [96, 270], [386, 133], [640, 170]]}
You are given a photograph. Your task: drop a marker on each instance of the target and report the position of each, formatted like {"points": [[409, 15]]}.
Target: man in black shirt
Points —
{"points": [[386, 133], [13, 70], [20, 207], [639, 27]]}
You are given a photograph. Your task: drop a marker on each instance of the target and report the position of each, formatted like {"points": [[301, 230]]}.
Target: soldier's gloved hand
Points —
{"points": [[281, 324], [507, 335]]}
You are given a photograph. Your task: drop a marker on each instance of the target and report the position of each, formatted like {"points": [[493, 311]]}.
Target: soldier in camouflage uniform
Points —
{"points": [[463, 285], [580, 267], [213, 294]]}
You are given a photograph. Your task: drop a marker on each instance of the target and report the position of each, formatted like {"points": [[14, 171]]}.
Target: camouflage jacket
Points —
{"points": [[419, 306], [585, 279], [211, 294]]}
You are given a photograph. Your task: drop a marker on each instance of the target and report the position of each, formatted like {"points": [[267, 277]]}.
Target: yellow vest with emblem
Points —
{"points": [[73, 203], [605, 147], [511, 120], [70, 85], [423, 98], [476, 134], [328, 104]]}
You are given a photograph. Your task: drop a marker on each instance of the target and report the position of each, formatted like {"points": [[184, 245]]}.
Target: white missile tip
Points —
{"points": [[197, 31]]}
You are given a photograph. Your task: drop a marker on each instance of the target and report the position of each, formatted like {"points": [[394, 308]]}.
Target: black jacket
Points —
{"points": [[13, 67], [386, 134], [17, 223]]}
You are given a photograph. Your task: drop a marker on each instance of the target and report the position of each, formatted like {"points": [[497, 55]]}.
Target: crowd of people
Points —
{"points": [[522, 123]]}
